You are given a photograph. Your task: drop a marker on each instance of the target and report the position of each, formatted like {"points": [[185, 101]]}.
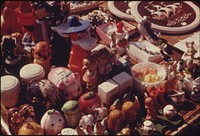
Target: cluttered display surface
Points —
{"points": [[76, 68]]}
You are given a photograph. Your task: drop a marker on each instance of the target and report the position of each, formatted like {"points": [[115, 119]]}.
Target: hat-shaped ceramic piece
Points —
{"points": [[73, 25]]}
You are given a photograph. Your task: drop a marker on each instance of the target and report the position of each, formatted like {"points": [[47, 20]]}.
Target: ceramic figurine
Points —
{"points": [[128, 112], [18, 116], [100, 127], [27, 19], [12, 61], [100, 113], [169, 111], [10, 89], [42, 54], [179, 83], [30, 72], [31, 128], [195, 70], [90, 69], [43, 94], [115, 120], [88, 102], [120, 39], [67, 82], [9, 22], [82, 42], [188, 56], [148, 127], [52, 122], [146, 32], [72, 113], [61, 46], [151, 112], [181, 66], [86, 125], [195, 90]]}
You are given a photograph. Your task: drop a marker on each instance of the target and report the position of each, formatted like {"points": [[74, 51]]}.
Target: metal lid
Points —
{"points": [[9, 83]]}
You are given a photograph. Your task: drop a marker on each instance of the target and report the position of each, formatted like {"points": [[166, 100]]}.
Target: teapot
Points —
{"points": [[169, 111]]}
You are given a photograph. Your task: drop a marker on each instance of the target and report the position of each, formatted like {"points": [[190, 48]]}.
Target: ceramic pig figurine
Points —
{"points": [[52, 122], [67, 82]]}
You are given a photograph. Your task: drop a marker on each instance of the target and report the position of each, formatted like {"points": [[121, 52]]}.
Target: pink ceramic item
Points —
{"points": [[52, 122]]}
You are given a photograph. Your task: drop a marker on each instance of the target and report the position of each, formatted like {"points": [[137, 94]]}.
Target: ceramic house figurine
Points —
{"points": [[108, 92], [10, 88], [67, 81], [88, 102], [151, 112], [82, 42], [43, 94], [9, 22], [146, 32], [42, 54], [31, 128], [18, 116], [52, 122], [72, 113], [27, 19], [11, 60]]}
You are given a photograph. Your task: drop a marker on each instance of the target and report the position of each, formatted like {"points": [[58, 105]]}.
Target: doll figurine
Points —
{"points": [[146, 32], [61, 46], [90, 71], [151, 112], [82, 42], [9, 23], [11, 60], [42, 55], [188, 56], [27, 19], [120, 39]]}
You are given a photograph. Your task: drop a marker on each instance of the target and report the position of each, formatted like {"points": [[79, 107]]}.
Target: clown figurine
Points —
{"points": [[82, 42]]}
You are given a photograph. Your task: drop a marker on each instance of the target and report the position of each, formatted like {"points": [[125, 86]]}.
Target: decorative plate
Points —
{"points": [[172, 17]]}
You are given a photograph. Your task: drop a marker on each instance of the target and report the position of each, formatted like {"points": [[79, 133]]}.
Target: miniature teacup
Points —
{"points": [[169, 111], [178, 98], [148, 127]]}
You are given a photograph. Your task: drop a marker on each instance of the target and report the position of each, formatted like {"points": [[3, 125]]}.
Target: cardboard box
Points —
{"points": [[134, 51], [108, 92], [105, 30], [125, 81]]}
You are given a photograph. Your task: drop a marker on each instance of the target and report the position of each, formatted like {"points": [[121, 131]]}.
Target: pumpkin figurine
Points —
{"points": [[128, 112], [31, 128]]}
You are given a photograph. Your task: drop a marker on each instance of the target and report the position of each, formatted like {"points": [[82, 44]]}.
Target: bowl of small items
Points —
{"points": [[146, 74]]}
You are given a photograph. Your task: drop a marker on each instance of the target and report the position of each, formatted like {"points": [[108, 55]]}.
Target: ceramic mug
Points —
{"points": [[178, 98], [10, 88]]}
